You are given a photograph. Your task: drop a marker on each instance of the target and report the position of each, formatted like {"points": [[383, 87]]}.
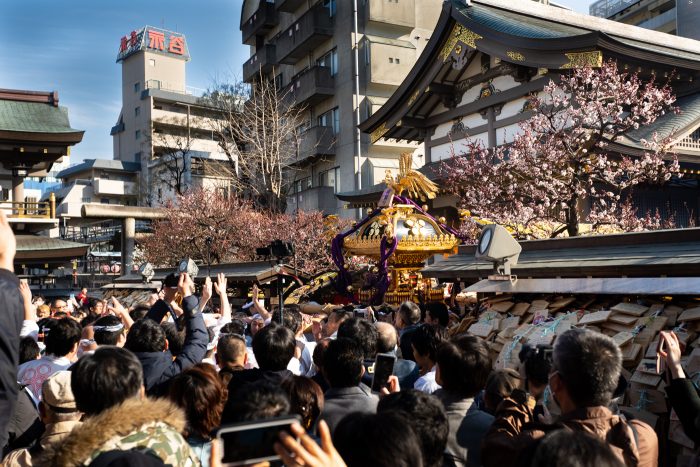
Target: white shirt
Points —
{"points": [[35, 372], [426, 383]]}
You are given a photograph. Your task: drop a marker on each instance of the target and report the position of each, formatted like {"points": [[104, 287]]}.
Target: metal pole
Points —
{"points": [[358, 134], [280, 291]]}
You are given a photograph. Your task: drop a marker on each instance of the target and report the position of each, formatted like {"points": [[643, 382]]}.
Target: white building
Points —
{"points": [[163, 124]]}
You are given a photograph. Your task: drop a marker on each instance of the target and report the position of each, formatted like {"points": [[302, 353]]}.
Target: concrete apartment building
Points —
{"points": [[678, 17], [307, 48], [163, 124]]}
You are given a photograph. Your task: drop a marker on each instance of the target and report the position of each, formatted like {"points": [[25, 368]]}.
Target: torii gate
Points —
{"points": [[128, 215]]}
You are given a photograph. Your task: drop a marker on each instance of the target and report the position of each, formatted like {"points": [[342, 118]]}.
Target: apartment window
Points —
{"points": [[279, 82], [329, 60], [86, 200], [137, 111], [330, 177], [330, 4], [331, 119], [397, 61], [302, 184], [152, 62], [104, 200], [391, 60], [137, 134], [137, 86]]}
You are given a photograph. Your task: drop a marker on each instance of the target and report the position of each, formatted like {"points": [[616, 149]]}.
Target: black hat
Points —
{"points": [[171, 280], [132, 458]]}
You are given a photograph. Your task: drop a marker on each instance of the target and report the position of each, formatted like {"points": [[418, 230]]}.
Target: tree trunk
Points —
{"points": [[572, 220]]}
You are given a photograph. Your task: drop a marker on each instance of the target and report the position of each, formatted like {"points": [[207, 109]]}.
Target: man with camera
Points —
{"points": [[146, 339], [584, 375]]}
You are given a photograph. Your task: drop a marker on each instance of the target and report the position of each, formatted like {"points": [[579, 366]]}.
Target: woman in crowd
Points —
{"points": [[202, 396]]}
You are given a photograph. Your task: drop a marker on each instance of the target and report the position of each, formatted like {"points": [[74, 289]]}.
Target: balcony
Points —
{"points": [[311, 86], [261, 22], [288, 6], [319, 198], [104, 187], [29, 210], [312, 29], [316, 142], [398, 14], [263, 61]]}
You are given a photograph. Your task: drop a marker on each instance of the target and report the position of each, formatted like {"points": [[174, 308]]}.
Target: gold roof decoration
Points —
{"points": [[418, 236], [411, 181]]}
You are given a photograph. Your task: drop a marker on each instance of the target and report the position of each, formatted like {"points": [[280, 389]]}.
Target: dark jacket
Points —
{"points": [[340, 402], [10, 325], [634, 442], [25, 427], [406, 370], [686, 402], [159, 367], [240, 380], [468, 426]]}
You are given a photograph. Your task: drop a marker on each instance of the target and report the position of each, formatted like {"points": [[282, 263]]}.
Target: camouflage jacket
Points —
{"points": [[154, 424]]}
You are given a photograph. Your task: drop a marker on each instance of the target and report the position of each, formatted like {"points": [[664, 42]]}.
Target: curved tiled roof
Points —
{"points": [[33, 117], [669, 123]]}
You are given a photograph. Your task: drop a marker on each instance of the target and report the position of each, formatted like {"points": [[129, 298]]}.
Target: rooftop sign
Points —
{"points": [[153, 40]]}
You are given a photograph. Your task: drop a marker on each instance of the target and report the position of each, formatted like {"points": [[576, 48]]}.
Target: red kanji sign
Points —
{"points": [[124, 44], [177, 45], [156, 40], [133, 39]]}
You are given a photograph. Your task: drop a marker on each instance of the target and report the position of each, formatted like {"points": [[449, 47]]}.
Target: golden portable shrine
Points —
{"points": [[399, 235]]}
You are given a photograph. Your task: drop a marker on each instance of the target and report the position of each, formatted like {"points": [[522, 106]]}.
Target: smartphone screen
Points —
{"points": [[251, 442], [383, 368]]}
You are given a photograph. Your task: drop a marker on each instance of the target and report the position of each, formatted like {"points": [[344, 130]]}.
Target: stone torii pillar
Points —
{"points": [[128, 216]]}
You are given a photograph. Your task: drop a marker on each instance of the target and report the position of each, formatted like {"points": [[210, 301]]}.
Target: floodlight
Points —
{"points": [[497, 245], [189, 266], [146, 271]]}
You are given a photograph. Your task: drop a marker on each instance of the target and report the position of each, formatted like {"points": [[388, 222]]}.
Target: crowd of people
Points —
{"points": [[102, 385]]}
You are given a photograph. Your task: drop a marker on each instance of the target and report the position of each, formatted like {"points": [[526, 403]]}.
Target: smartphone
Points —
{"points": [[660, 362], [251, 442], [383, 368]]}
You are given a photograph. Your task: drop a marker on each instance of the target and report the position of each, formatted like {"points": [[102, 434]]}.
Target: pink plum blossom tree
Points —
{"points": [[236, 228], [559, 171]]}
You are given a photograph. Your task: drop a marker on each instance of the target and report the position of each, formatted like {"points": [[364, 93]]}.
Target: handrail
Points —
{"points": [[31, 209]]}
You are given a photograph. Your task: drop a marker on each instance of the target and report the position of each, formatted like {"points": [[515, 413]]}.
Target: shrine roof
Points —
{"points": [[34, 117], [523, 37]]}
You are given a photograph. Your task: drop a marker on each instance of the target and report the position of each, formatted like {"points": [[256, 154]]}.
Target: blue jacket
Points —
{"points": [[159, 367]]}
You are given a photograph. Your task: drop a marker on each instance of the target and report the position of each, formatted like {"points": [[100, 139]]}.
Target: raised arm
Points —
{"points": [[220, 288], [258, 307], [121, 312]]}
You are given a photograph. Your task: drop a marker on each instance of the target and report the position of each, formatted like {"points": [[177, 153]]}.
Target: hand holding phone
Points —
{"points": [[660, 357], [383, 369], [670, 351], [252, 442]]}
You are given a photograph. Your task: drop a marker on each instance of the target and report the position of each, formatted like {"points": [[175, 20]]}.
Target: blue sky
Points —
{"points": [[70, 46]]}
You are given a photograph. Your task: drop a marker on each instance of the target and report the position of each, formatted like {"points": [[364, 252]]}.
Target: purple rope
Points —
{"points": [[344, 278], [447, 228], [381, 281], [385, 251]]}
